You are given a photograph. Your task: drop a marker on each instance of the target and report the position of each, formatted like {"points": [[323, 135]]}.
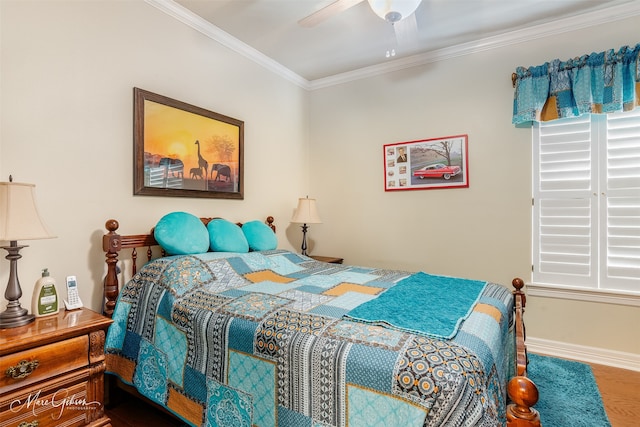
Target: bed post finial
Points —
{"points": [[111, 225], [518, 284], [111, 245], [269, 222]]}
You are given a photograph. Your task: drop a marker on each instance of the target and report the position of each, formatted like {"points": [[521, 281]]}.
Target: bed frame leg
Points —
{"points": [[524, 395]]}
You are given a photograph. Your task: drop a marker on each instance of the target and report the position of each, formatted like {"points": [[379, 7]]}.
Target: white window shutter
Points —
{"points": [[620, 224], [565, 206]]}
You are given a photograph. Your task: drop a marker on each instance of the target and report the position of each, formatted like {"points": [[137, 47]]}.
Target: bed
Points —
{"points": [[275, 338]]}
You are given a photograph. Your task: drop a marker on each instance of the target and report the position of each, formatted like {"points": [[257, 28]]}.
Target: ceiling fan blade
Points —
{"points": [[327, 12], [406, 31]]}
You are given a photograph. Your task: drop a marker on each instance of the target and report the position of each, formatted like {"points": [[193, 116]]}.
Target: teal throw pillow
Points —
{"points": [[225, 236], [181, 233], [259, 236]]}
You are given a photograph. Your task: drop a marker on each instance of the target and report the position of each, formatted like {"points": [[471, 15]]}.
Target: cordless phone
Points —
{"points": [[73, 298]]}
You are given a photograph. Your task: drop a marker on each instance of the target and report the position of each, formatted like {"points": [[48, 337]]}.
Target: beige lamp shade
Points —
{"points": [[19, 216], [306, 212]]}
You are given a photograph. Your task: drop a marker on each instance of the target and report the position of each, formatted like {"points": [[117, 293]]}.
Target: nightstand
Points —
{"points": [[329, 259], [52, 371]]}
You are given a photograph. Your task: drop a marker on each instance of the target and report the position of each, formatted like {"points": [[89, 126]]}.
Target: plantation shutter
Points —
{"points": [[586, 207], [565, 234], [622, 183]]}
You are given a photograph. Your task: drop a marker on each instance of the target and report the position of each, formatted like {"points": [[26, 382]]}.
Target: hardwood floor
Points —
{"points": [[620, 395], [618, 387], [133, 412]]}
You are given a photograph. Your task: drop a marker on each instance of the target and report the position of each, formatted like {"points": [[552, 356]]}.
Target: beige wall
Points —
{"points": [[67, 78], [479, 232], [68, 69]]}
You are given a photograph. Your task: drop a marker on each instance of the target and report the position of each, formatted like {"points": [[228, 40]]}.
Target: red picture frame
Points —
{"points": [[427, 164]]}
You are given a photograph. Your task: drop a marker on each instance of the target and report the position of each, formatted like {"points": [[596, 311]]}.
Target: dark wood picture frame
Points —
{"points": [[181, 150], [427, 164]]}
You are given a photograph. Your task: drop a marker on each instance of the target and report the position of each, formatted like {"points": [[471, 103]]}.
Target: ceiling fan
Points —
{"points": [[390, 10], [400, 13]]}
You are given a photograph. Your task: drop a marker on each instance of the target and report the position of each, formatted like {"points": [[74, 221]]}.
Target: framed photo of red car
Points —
{"points": [[427, 164], [185, 151]]}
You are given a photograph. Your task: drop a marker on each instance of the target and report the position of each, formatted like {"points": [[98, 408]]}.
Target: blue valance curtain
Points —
{"points": [[602, 82]]}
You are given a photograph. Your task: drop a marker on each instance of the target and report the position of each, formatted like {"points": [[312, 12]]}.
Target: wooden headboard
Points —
{"points": [[113, 243]]}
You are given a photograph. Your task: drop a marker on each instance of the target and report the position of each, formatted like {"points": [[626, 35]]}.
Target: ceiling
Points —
{"points": [[356, 39]]}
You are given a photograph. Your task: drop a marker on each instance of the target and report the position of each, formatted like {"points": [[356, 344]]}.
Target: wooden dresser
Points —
{"points": [[52, 371]]}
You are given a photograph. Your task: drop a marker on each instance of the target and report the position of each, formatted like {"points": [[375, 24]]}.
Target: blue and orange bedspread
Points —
{"points": [[278, 339]]}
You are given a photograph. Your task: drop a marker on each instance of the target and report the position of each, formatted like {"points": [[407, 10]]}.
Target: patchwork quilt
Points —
{"points": [[277, 339]]}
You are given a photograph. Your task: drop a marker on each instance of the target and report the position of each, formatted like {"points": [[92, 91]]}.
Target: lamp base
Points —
{"points": [[13, 317], [305, 227]]}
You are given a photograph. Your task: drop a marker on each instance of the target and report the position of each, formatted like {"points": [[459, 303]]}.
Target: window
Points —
{"points": [[586, 202]]}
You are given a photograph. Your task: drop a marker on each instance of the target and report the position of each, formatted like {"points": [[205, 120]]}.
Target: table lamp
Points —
{"points": [[19, 220], [306, 213]]}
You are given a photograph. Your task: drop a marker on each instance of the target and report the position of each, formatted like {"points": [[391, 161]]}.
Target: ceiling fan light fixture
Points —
{"points": [[393, 10]]}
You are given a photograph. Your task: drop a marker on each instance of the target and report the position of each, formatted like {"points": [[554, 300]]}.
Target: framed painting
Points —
{"points": [[182, 150], [427, 164]]}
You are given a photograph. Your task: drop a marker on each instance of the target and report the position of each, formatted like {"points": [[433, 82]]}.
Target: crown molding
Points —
{"points": [[577, 22], [199, 24], [560, 26]]}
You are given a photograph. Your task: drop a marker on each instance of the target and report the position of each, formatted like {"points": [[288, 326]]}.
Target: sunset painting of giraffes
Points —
{"points": [[186, 148]]}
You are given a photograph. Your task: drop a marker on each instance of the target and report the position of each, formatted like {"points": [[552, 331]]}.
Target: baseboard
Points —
{"points": [[617, 359]]}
